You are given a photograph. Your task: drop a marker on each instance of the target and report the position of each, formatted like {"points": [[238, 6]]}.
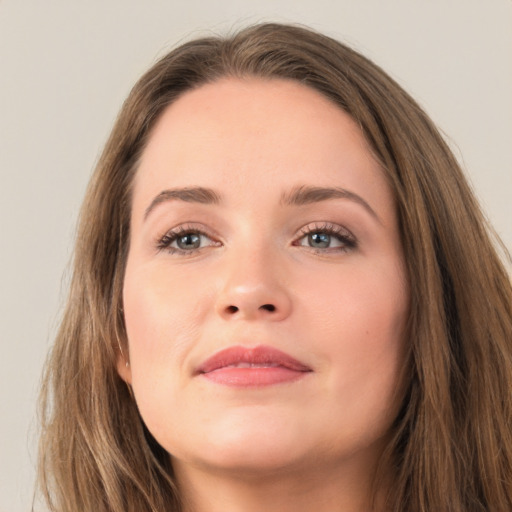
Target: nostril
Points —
{"points": [[232, 309], [268, 307]]}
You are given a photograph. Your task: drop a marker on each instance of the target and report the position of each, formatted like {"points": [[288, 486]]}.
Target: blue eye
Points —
{"points": [[189, 241], [184, 241], [327, 237], [319, 240]]}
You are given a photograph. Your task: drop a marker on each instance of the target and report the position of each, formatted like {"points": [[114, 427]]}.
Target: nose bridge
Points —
{"points": [[253, 284]]}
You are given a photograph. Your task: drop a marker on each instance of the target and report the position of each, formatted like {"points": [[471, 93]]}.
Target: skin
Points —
{"points": [[308, 444]]}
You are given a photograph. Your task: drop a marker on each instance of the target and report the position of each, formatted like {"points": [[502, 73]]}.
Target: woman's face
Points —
{"points": [[265, 294]]}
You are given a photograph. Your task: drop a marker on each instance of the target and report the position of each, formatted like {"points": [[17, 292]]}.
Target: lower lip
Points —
{"points": [[254, 377]]}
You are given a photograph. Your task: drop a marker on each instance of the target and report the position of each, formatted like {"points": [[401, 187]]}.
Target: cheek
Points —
{"points": [[362, 334], [358, 319], [163, 317], [371, 303]]}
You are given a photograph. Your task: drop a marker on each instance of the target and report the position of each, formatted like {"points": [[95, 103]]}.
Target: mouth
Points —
{"points": [[252, 367]]}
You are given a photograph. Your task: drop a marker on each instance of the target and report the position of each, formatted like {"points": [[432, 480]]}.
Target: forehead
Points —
{"points": [[236, 133], [253, 110]]}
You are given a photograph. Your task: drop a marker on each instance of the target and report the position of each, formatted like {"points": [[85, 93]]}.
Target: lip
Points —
{"points": [[257, 366]]}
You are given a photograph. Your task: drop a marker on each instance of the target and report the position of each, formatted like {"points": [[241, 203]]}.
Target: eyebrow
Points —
{"points": [[303, 195], [298, 196], [188, 194]]}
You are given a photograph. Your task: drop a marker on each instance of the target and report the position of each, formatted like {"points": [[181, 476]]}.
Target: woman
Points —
{"points": [[285, 297]]}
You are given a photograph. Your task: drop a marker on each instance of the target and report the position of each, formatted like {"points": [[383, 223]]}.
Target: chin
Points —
{"points": [[249, 448], [252, 463]]}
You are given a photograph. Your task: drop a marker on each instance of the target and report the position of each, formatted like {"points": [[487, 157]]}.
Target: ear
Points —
{"points": [[123, 369]]}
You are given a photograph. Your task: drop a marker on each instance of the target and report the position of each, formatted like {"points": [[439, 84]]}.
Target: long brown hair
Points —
{"points": [[451, 447]]}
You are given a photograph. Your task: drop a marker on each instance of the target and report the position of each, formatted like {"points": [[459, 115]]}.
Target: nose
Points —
{"points": [[253, 288]]}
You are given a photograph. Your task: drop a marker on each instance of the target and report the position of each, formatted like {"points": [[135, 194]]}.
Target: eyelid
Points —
{"points": [[337, 230], [326, 226], [163, 242]]}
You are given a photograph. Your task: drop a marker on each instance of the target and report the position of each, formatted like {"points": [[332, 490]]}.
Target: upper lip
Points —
{"points": [[260, 354]]}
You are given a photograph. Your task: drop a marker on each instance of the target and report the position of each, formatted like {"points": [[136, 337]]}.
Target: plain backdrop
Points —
{"points": [[67, 65]]}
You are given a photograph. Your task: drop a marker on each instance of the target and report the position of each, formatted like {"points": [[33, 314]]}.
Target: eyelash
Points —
{"points": [[348, 240], [343, 235], [164, 242]]}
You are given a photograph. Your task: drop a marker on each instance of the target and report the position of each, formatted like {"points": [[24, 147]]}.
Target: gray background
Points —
{"points": [[65, 68]]}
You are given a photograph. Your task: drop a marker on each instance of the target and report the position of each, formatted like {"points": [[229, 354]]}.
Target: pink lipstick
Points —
{"points": [[259, 366]]}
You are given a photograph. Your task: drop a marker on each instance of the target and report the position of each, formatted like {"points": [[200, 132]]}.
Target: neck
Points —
{"points": [[322, 489]]}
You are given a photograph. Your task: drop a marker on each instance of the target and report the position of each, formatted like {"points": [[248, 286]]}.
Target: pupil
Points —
{"points": [[320, 240], [189, 241]]}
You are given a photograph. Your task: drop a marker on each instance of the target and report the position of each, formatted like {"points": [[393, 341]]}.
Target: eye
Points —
{"points": [[185, 241], [189, 241], [327, 238]]}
